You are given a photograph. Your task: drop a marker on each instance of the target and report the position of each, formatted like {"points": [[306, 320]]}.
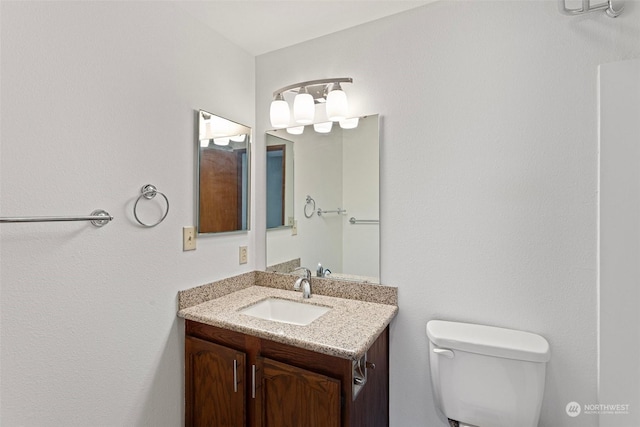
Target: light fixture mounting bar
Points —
{"points": [[312, 83]]}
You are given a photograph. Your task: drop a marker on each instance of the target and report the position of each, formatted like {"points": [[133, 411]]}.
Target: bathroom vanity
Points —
{"points": [[242, 370], [241, 380]]}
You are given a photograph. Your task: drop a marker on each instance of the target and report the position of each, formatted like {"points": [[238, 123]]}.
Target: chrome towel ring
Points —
{"points": [[310, 201], [149, 192]]}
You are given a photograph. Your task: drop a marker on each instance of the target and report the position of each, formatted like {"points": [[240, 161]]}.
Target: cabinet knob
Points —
{"points": [[370, 365]]}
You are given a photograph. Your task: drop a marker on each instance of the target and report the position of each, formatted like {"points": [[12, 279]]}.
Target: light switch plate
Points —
{"points": [[294, 228], [188, 238]]}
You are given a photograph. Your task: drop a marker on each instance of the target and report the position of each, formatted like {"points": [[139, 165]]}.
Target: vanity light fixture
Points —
{"points": [[238, 138], [223, 140], [207, 128], [279, 112], [304, 109], [296, 130], [351, 123], [323, 127], [308, 94], [337, 105]]}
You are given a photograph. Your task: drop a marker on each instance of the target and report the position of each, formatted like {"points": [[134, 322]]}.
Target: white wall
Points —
{"points": [[488, 174], [318, 173], [98, 98], [619, 297]]}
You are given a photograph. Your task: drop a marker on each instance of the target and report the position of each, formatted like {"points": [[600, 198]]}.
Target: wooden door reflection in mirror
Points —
{"points": [[223, 175]]}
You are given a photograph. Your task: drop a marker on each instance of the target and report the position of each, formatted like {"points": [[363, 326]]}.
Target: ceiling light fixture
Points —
{"points": [[308, 95]]}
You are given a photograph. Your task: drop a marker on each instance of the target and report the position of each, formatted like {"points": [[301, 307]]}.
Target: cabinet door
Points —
{"points": [[294, 397], [214, 385]]}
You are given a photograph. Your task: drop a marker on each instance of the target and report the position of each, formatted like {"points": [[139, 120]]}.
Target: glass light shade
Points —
{"points": [[323, 127], [349, 123], [303, 108], [221, 141], [279, 113], [207, 130], [204, 143], [337, 105], [238, 138], [297, 130]]}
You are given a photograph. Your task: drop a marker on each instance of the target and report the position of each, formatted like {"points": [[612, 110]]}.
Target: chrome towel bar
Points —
{"points": [[98, 218], [353, 220], [338, 211]]}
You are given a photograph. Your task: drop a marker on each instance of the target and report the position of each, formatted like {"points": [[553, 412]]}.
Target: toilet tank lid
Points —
{"points": [[489, 340]]}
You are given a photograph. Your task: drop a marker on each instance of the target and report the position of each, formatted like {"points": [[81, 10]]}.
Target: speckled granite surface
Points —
{"points": [[200, 294], [334, 288], [346, 331], [284, 267]]}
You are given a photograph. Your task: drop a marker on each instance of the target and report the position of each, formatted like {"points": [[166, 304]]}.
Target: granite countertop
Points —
{"points": [[346, 331]]}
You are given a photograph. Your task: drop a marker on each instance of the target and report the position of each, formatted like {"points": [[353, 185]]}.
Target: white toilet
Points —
{"points": [[483, 376]]}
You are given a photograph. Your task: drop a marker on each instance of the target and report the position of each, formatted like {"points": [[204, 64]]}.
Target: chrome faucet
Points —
{"points": [[304, 283], [322, 272]]}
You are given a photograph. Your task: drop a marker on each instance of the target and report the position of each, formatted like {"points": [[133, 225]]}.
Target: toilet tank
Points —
{"points": [[487, 376]]}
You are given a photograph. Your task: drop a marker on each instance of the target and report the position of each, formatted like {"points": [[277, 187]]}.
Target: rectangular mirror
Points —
{"points": [[334, 181], [223, 185], [279, 182]]}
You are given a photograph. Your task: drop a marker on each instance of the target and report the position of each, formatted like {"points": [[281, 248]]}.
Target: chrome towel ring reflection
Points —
{"points": [[310, 201], [149, 192]]}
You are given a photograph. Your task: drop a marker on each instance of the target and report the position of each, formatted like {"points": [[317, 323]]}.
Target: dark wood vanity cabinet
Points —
{"points": [[292, 396], [237, 380], [215, 384]]}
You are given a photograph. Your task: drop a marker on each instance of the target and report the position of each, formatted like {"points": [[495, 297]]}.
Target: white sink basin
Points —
{"points": [[285, 311]]}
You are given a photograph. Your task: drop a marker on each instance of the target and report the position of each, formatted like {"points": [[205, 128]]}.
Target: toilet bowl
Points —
{"points": [[484, 376]]}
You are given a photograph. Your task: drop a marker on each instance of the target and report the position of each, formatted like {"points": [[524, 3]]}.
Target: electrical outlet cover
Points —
{"points": [[243, 255]]}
